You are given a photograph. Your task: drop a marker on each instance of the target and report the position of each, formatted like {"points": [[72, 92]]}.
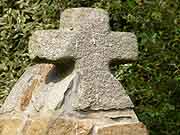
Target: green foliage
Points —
{"points": [[153, 81], [18, 20]]}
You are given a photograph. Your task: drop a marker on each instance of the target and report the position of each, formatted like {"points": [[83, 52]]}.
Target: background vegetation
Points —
{"points": [[153, 81]]}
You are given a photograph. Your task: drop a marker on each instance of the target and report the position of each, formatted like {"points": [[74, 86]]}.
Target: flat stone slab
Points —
{"points": [[70, 126], [122, 129], [85, 37], [54, 124]]}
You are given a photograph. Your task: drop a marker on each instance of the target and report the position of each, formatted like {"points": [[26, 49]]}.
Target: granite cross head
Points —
{"points": [[85, 36]]}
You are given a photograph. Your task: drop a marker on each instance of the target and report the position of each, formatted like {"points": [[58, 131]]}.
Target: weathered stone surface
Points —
{"points": [[121, 129], [55, 96], [121, 116], [55, 124], [99, 90], [85, 19], [52, 44], [70, 126], [39, 89], [36, 126], [85, 36], [10, 126], [28, 85]]}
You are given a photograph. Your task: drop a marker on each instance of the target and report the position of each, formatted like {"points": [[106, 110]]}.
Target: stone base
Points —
{"points": [[121, 129], [66, 125]]}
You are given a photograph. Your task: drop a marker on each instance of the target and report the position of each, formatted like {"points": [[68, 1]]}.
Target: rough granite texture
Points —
{"points": [[85, 36]]}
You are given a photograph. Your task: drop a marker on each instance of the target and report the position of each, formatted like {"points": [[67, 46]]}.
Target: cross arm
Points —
{"points": [[121, 46], [51, 44]]}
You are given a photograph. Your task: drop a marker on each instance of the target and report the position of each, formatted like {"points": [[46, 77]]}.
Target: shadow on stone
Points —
{"points": [[63, 68]]}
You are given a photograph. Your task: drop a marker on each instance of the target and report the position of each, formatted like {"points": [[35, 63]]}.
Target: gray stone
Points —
{"points": [[29, 84], [51, 44], [39, 89], [55, 96], [85, 36]]}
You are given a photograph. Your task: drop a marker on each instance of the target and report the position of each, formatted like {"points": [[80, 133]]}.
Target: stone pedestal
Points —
{"points": [[54, 124]]}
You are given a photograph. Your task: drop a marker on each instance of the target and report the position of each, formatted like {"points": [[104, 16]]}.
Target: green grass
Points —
{"points": [[153, 82]]}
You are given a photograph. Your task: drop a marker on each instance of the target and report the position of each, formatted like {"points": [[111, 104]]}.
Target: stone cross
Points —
{"points": [[85, 37], [73, 92]]}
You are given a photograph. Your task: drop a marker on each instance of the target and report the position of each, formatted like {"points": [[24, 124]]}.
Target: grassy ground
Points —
{"points": [[153, 82]]}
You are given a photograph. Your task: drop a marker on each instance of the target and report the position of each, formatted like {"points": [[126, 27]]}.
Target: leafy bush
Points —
{"points": [[153, 81]]}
